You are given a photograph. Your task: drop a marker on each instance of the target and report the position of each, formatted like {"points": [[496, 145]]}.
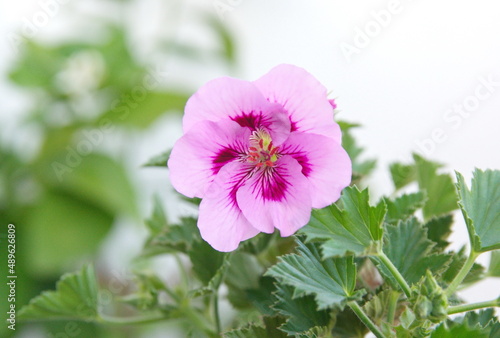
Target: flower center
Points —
{"points": [[261, 151]]}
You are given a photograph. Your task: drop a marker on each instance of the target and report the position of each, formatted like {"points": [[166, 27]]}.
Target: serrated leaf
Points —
{"points": [[159, 160], [173, 238], [460, 330], [494, 268], [269, 330], [301, 313], [354, 228], [316, 332], [441, 195], [408, 248], [332, 281], [402, 174], [403, 206], [75, 297], [439, 229], [481, 209], [482, 318]]}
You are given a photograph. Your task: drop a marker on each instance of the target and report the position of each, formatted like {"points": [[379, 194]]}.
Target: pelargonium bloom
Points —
{"points": [[260, 155]]}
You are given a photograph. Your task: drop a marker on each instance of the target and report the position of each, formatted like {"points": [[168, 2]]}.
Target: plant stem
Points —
{"points": [[395, 273], [365, 319], [131, 320], [216, 312], [473, 306], [455, 283]]}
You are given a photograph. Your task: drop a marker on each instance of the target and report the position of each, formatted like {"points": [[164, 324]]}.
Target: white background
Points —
{"points": [[406, 75]]}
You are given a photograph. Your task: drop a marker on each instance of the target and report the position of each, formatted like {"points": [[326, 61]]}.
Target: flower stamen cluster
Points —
{"points": [[262, 152]]}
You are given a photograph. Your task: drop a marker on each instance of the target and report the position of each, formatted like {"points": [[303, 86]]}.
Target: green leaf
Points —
{"points": [[408, 248], [141, 111], [262, 297], [481, 209], [482, 318], [494, 268], [348, 325], [172, 238], [158, 220], [462, 330], [62, 229], [75, 297], [206, 260], [441, 195], [439, 229], [403, 206], [402, 174], [354, 228], [332, 281], [301, 313], [242, 275], [269, 330], [360, 168], [159, 160], [96, 178]]}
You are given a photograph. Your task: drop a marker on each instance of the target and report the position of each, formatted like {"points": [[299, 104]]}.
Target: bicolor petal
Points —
{"points": [[240, 101], [324, 162], [198, 156], [304, 99], [276, 197], [221, 222]]}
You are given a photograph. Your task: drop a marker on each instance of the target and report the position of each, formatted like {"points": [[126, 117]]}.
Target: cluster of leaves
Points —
{"points": [[355, 268]]}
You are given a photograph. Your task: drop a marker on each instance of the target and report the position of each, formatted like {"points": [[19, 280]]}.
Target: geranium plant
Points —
{"points": [[288, 236]]}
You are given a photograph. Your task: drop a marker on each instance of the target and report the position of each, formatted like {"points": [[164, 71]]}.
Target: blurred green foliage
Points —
{"points": [[65, 197]]}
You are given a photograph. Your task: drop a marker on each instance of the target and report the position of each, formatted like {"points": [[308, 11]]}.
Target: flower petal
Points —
{"points": [[240, 101], [277, 197], [221, 221], [304, 99], [324, 162], [198, 156]]}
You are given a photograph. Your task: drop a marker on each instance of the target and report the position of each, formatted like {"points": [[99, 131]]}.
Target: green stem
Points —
{"points": [[395, 273], [365, 319], [131, 320], [473, 306], [455, 283], [216, 312], [393, 304]]}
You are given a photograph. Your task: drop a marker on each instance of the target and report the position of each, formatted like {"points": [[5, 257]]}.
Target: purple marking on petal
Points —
{"points": [[237, 181], [224, 156], [300, 156], [252, 120], [271, 184], [303, 160]]}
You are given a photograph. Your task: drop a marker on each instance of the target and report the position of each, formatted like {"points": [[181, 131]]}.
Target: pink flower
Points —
{"points": [[260, 155]]}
